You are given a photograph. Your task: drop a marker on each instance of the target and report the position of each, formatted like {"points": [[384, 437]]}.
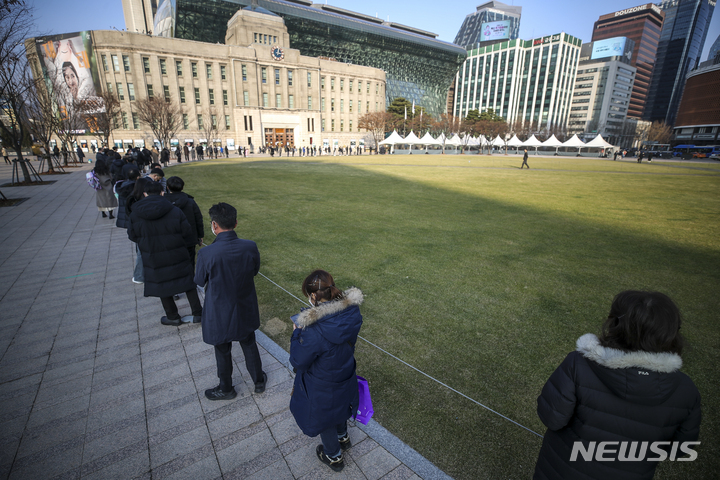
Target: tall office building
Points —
{"points": [[490, 22], [681, 44], [642, 25], [521, 80], [602, 89], [419, 67], [714, 50]]}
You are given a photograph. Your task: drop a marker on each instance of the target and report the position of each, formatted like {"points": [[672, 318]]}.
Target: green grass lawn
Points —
{"points": [[483, 276]]}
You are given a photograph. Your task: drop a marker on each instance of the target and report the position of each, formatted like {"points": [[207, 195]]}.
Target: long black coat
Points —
{"points": [[226, 269], [603, 394], [163, 234], [123, 189], [187, 204]]}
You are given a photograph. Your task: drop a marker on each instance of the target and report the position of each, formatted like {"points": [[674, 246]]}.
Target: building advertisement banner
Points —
{"points": [[611, 47], [496, 30], [68, 64]]}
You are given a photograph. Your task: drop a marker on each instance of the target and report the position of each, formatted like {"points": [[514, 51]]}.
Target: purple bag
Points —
{"points": [[365, 409]]}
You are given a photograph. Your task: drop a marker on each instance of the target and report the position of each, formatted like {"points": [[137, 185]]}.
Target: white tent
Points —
{"points": [[514, 142], [575, 142], [532, 142], [392, 139], [455, 140], [473, 142], [552, 142], [598, 142], [427, 139], [412, 139], [498, 142]]}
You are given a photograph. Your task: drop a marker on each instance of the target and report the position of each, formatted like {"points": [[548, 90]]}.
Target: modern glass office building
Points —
{"points": [[419, 67], [681, 44], [490, 22], [526, 80]]}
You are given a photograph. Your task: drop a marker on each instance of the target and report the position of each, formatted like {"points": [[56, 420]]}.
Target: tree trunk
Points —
{"points": [[23, 166], [51, 168]]}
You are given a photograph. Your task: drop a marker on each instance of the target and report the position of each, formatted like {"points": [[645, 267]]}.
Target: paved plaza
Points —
{"points": [[93, 386]]}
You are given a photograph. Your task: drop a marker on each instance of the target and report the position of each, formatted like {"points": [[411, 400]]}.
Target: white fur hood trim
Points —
{"points": [[351, 296], [589, 346]]}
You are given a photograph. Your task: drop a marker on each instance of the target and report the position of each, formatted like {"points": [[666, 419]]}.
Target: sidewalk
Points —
{"points": [[93, 386]]}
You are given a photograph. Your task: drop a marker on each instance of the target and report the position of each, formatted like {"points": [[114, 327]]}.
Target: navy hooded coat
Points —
{"points": [[325, 393], [226, 269]]}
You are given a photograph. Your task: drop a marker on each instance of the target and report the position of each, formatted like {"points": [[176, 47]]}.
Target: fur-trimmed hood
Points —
{"points": [[644, 378], [339, 320], [589, 346]]}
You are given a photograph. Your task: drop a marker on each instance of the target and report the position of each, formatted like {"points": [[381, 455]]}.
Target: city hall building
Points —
{"points": [[418, 66], [255, 88], [526, 80]]}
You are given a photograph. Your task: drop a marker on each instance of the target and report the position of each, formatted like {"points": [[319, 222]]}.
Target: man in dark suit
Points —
{"points": [[227, 269]]}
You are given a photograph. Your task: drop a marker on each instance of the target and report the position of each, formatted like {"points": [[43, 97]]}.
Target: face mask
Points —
{"points": [[212, 228]]}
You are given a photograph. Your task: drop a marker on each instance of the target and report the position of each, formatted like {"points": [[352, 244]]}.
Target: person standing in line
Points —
{"points": [[525, 159], [178, 153], [624, 386], [649, 154], [186, 152], [105, 197], [322, 350], [226, 269], [163, 235], [640, 156], [187, 204], [6, 157], [193, 153]]}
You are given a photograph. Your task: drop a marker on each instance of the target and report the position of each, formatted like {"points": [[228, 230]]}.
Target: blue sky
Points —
{"points": [[539, 17]]}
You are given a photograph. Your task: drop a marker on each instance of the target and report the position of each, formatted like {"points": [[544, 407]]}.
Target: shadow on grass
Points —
{"points": [[485, 295]]}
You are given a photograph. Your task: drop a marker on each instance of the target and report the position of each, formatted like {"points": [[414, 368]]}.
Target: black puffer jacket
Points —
{"points": [[123, 189], [163, 233], [603, 394], [187, 204]]}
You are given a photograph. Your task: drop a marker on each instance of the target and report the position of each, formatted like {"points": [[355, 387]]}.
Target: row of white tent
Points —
{"points": [[456, 141]]}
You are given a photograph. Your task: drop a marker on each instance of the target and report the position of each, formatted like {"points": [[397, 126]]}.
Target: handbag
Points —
{"points": [[365, 408]]}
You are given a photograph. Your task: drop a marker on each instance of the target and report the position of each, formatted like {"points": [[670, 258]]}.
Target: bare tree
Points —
{"points": [[377, 124], [15, 26], [43, 120], [210, 126], [164, 118], [101, 114], [659, 132]]}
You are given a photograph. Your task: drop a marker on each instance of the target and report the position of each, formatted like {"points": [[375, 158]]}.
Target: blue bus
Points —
{"points": [[696, 151]]}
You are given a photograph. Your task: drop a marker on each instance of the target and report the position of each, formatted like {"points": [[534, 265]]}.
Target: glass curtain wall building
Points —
{"points": [[419, 67], [490, 21], [521, 80], [681, 44], [641, 24]]}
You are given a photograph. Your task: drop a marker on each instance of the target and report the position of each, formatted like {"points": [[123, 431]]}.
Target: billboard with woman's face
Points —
{"points": [[69, 65]]}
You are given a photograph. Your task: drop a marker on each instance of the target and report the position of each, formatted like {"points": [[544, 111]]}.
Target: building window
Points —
{"points": [[136, 122], [350, 86], [213, 120], [131, 92], [342, 85], [163, 66], [265, 100], [244, 73], [256, 41], [227, 122], [277, 76], [193, 67], [350, 106], [109, 87], [332, 84], [350, 126], [367, 107], [166, 93], [278, 100], [332, 104], [223, 73], [359, 86], [120, 92], [309, 79], [178, 68], [197, 96], [225, 97], [211, 94], [126, 63], [208, 70], [105, 65], [332, 125], [150, 91], [186, 122], [116, 63], [263, 74], [246, 98], [377, 88], [322, 83], [146, 65], [342, 125], [182, 94], [322, 104], [342, 106], [290, 78], [200, 121], [124, 121], [368, 88], [322, 125], [309, 103], [291, 102]]}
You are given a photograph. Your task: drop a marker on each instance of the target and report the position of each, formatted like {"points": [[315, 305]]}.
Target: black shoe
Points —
{"points": [[260, 386], [111, 216], [217, 394], [345, 442], [336, 463], [174, 323], [197, 318], [104, 214]]}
